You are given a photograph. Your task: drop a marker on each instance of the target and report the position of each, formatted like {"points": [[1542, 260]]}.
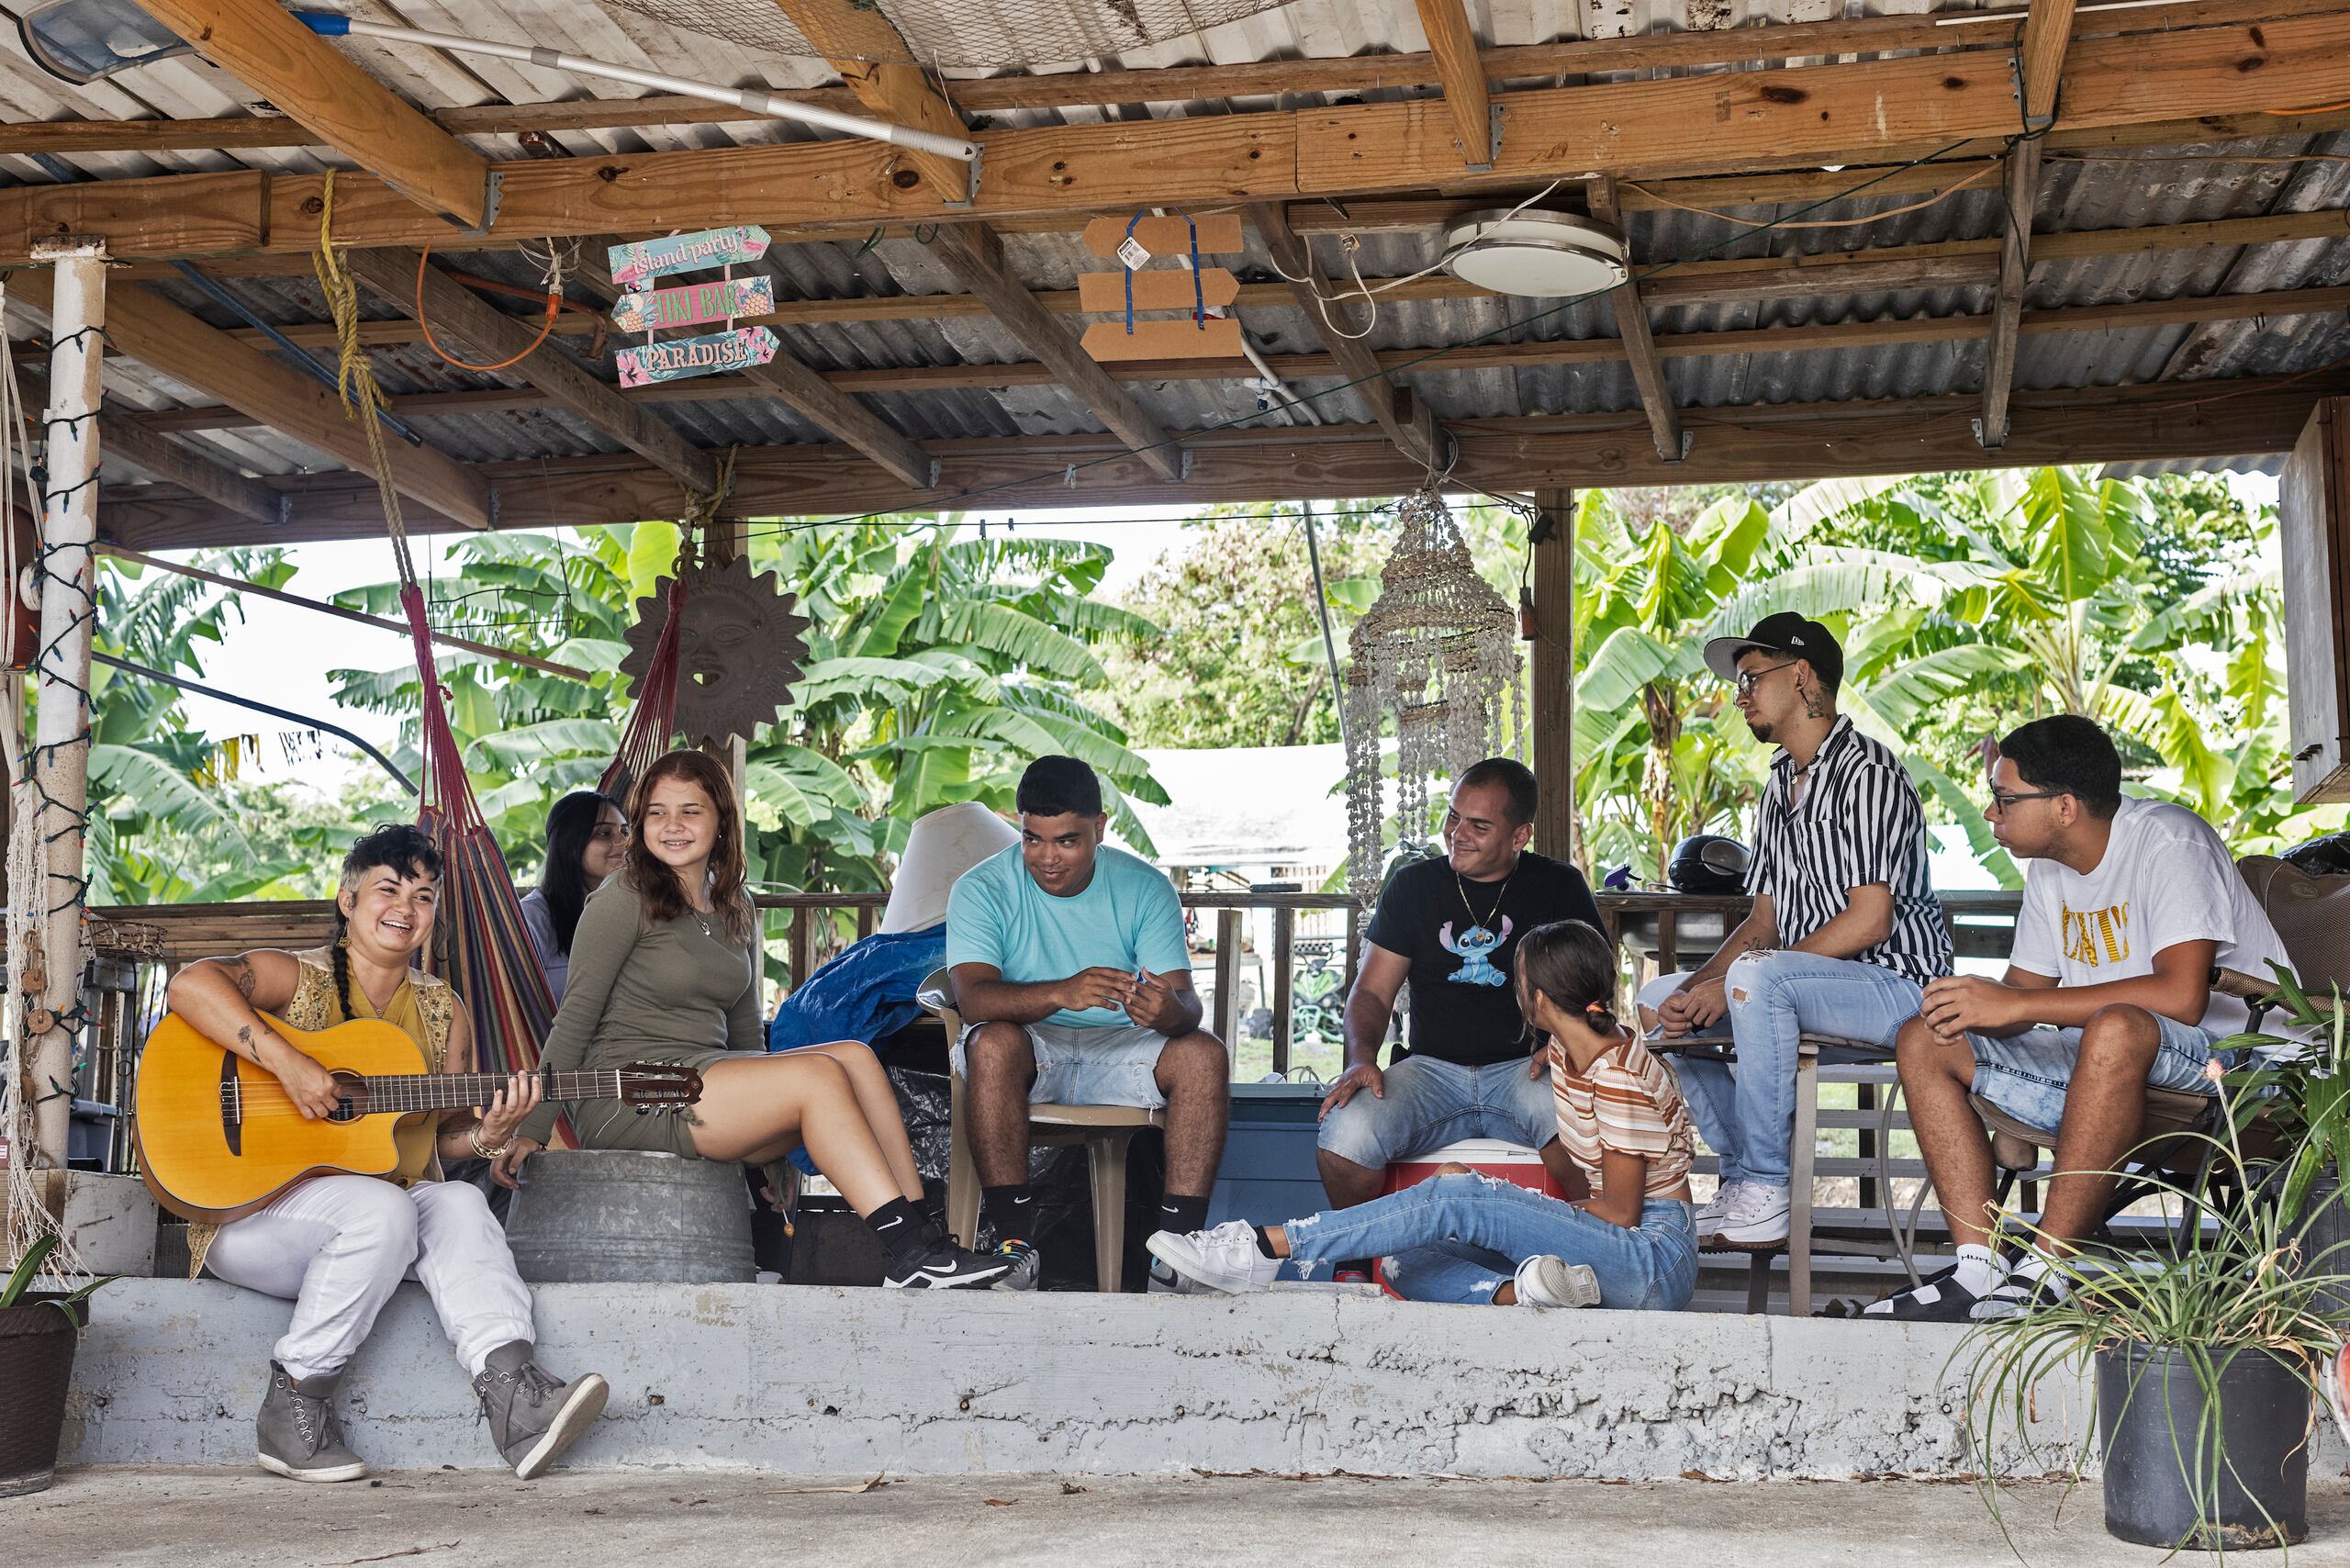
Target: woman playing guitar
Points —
{"points": [[337, 1245], [665, 968]]}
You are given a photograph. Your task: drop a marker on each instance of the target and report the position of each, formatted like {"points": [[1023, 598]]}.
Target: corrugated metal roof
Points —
{"points": [[2128, 190]]}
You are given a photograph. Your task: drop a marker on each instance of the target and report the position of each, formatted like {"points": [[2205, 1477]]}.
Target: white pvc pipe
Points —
{"points": [[960, 148]]}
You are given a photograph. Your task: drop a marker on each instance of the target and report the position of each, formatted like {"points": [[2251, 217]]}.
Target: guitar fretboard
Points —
{"points": [[399, 1093]]}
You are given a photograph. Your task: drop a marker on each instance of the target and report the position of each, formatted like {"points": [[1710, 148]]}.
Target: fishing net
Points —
{"points": [[972, 33]]}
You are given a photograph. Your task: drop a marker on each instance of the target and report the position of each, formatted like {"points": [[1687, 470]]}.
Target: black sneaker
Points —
{"points": [[947, 1267], [1938, 1298], [1027, 1266]]}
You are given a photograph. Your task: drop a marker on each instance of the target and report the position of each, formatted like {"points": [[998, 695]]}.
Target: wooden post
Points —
{"points": [[1284, 930], [61, 731], [1554, 676], [1228, 978]]}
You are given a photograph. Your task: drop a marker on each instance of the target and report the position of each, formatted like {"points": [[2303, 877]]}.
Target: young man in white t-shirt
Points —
{"points": [[2128, 904]]}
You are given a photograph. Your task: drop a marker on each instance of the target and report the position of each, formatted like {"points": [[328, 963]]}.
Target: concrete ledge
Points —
{"points": [[820, 1380]]}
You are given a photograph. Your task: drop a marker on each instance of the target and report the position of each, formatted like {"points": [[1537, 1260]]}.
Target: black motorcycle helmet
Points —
{"points": [[1708, 863]]}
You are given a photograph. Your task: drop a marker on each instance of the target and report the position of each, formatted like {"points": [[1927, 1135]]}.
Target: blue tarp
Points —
{"points": [[864, 993]]}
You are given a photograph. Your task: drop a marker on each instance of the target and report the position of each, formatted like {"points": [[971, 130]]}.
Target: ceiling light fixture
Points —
{"points": [[1535, 254]]}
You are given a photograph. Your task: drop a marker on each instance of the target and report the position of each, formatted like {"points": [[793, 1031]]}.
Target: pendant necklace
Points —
{"points": [[1481, 931]]}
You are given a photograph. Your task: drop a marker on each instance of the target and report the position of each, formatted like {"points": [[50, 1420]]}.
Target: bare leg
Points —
{"points": [[758, 1110], [2105, 1106], [999, 1068], [879, 1104], [1935, 1078], [1347, 1182], [1195, 1074]]}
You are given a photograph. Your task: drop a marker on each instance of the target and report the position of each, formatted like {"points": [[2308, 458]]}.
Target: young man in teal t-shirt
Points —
{"points": [[1074, 982]]}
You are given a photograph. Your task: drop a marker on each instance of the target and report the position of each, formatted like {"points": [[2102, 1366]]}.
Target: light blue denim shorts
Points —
{"points": [[2025, 1074], [1081, 1065]]}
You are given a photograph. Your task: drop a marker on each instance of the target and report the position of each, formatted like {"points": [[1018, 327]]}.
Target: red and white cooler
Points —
{"points": [[1487, 1156]]}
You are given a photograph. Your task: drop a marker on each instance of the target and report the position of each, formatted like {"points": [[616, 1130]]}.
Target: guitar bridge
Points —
{"points": [[232, 1104]]}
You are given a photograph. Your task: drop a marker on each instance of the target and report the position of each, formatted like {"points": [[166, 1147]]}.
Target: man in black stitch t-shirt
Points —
{"points": [[1451, 927]]}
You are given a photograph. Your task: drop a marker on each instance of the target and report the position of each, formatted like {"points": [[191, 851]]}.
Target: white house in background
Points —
{"points": [[1240, 816]]}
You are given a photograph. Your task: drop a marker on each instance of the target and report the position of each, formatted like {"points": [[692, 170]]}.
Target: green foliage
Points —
{"points": [[1967, 604], [938, 667], [20, 1280]]}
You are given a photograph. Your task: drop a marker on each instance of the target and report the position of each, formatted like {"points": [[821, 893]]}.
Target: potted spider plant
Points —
{"points": [[2297, 1090], [38, 1331], [2206, 1360]]}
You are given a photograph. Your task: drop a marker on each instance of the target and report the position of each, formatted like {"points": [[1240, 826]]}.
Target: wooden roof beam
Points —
{"points": [[1673, 442], [865, 48], [1182, 84], [429, 294], [1787, 442], [172, 462], [2021, 189], [973, 253], [1842, 113], [261, 44], [1390, 407], [1821, 337], [1452, 45], [164, 338]]}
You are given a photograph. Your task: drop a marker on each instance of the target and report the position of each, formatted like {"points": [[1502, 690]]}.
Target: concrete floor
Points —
{"points": [[199, 1518]]}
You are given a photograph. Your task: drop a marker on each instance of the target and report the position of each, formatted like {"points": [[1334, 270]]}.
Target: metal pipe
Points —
{"points": [[218, 695], [303, 361], [1322, 606], [328, 25]]}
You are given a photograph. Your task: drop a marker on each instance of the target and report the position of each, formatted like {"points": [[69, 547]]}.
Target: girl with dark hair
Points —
{"points": [[1461, 1236], [337, 1246], [665, 967], [586, 835]]}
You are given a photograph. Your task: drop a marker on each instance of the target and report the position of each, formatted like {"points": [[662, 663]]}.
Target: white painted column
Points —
{"points": [[67, 609]]}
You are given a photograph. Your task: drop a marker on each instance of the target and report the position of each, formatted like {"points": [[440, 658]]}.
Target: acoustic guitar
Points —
{"points": [[220, 1138]]}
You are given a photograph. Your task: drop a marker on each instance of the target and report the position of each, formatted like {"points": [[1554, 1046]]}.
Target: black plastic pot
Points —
{"points": [[2325, 1243], [2169, 1483], [36, 1345]]}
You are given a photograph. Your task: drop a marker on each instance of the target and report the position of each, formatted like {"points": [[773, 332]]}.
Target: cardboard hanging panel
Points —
{"points": [[1218, 338]]}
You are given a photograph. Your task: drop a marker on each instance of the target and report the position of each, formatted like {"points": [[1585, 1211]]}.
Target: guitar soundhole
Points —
{"points": [[354, 1103]]}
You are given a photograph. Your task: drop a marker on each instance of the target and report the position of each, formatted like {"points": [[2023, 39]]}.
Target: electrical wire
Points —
{"points": [[554, 303], [1351, 245], [1944, 195]]}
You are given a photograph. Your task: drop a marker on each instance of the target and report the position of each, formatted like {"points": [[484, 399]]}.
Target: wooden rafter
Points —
{"points": [[808, 393], [166, 338], [1673, 442], [2040, 64], [1182, 84], [1823, 337], [1783, 442], [175, 464], [865, 48], [1843, 113], [261, 44], [975, 258], [1452, 46], [1311, 288], [403, 280]]}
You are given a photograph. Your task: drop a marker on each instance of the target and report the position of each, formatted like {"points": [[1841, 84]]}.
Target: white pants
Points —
{"points": [[338, 1246]]}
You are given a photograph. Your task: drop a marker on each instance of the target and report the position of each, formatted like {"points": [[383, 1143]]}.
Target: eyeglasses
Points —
{"points": [[2003, 802], [1748, 679]]}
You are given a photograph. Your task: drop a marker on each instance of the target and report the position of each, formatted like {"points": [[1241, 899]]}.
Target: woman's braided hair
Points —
{"points": [[405, 848]]}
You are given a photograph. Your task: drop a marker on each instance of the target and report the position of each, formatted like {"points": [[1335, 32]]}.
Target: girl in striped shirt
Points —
{"points": [[1463, 1236]]}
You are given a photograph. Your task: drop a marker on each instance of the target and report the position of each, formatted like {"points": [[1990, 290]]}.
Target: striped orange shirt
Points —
{"points": [[1628, 1103]]}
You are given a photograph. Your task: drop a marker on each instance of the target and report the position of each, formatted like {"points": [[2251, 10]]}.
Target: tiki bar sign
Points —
{"points": [[718, 300], [710, 355]]}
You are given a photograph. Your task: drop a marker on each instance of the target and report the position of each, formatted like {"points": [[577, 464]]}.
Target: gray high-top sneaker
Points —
{"points": [[531, 1417], [298, 1434]]}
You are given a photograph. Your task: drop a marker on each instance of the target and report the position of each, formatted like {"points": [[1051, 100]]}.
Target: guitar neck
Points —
{"points": [[458, 1090]]}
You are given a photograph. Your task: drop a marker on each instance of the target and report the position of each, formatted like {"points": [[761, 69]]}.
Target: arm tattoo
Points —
{"points": [[242, 972]]}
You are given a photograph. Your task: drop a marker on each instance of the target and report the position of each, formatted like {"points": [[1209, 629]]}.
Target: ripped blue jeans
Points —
{"points": [[1460, 1237]]}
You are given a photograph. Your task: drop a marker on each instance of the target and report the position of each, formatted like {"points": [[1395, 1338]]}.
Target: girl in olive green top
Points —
{"points": [[665, 967]]}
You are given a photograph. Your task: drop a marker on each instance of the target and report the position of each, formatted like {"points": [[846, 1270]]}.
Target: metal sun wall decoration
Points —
{"points": [[739, 649], [1438, 651]]}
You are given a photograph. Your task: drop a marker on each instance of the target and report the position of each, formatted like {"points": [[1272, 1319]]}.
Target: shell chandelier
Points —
{"points": [[1438, 651]]}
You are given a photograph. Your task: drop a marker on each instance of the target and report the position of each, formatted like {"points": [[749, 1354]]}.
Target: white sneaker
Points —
{"points": [[1710, 1212], [1755, 1216], [1545, 1282], [1225, 1258]]}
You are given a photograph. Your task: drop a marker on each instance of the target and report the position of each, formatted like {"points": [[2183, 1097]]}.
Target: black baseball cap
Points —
{"points": [[1788, 634]]}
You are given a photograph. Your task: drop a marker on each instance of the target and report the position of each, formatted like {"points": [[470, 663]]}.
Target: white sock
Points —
{"points": [[1979, 1269], [2031, 1271]]}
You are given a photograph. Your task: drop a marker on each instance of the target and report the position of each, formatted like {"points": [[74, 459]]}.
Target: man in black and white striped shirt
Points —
{"points": [[1844, 934]]}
